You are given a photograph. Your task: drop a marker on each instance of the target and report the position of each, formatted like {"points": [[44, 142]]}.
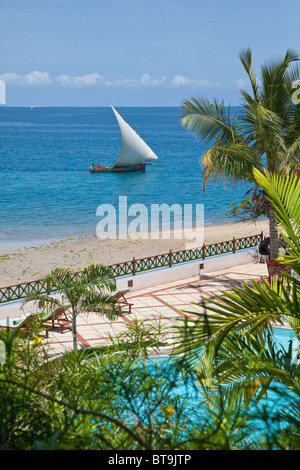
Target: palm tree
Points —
{"points": [[90, 291], [232, 342], [265, 132]]}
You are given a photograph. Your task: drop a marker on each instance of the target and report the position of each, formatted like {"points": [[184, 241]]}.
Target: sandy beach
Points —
{"points": [[29, 263]]}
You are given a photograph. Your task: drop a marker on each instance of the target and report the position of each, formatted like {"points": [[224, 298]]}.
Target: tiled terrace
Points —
{"points": [[167, 303]]}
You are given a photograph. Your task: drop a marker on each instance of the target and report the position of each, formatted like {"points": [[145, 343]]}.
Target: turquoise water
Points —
{"points": [[277, 400], [47, 191]]}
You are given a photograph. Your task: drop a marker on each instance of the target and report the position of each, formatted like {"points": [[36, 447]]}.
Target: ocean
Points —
{"points": [[46, 189]]}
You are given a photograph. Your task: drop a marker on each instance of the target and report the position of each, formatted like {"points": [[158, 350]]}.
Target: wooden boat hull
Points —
{"points": [[121, 169]]}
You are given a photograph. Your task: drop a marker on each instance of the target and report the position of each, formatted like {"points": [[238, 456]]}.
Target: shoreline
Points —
{"points": [[34, 260]]}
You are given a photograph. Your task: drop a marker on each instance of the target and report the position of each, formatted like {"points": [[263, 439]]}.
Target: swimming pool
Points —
{"points": [[264, 418]]}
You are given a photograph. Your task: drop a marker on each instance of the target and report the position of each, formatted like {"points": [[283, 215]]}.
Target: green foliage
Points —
{"points": [[93, 400], [137, 340], [262, 133], [251, 207], [212, 393], [119, 397], [232, 345], [92, 291]]}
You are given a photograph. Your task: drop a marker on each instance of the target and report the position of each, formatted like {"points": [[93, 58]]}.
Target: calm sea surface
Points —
{"points": [[47, 191]]}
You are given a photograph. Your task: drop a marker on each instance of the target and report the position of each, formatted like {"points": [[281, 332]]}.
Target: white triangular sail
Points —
{"points": [[134, 150]]}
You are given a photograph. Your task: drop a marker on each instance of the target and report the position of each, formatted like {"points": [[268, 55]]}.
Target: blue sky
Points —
{"points": [[137, 52]]}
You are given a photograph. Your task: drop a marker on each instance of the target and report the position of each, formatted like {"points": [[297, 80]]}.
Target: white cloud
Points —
{"points": [[240, 82], [32, 79], [179, 80], [39, 79], [11, 78], [148, 81], [95, 79], [79, 81], [145, 80], [122, 83]]}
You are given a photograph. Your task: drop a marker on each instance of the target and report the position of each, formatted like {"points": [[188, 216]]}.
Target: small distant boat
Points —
{"points": [[134, 151]]}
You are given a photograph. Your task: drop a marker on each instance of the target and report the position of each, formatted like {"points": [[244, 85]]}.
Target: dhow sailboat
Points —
{"points": [[134, 151]]}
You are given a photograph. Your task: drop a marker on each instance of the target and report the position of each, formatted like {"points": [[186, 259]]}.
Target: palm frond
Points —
{"points": [[101, 303], [284, 194], [50, 301], [232, 162], [275, 84], [292, 155], [262, 126], [210, 122], [88, 291], [246, 59]]}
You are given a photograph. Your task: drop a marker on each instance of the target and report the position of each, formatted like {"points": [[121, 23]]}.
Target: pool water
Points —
{"points": [[278, 399]]}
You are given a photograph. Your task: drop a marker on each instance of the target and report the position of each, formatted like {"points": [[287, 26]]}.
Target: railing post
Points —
{"points": [[261, 236], [233, 250], [170, 258], [48, 286], [203, 251], [133, 266]]}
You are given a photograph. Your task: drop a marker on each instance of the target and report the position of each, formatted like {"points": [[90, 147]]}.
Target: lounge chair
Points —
{"points": [[43, 318], [120, 296], [19, 322], [55, 316]]}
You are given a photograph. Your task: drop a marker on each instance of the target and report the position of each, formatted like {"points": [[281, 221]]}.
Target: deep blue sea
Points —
{"points": [[47, 191]]}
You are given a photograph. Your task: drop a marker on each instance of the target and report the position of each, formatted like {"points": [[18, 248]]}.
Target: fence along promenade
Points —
{"points": [[135, 266]]}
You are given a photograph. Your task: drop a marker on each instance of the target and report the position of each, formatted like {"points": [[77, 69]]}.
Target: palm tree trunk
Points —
{"points": [[74, 331], [274, 238]]}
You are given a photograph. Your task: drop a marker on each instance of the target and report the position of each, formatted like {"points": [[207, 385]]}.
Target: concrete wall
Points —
{"points": [[185, 270]]}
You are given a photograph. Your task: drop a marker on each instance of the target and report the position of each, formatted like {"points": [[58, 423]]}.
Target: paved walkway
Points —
{"points": [[164, 303]]}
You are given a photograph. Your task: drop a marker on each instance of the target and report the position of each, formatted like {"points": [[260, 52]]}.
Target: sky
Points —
{"points": [[137, 52]]}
